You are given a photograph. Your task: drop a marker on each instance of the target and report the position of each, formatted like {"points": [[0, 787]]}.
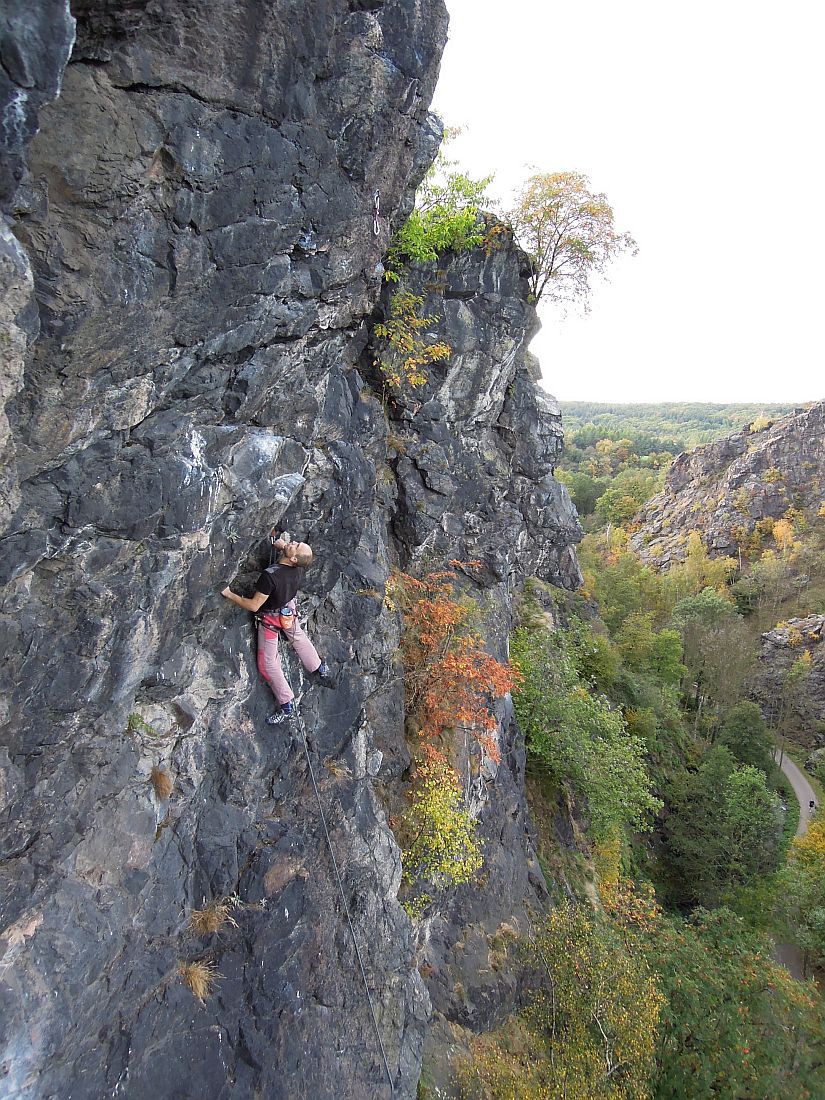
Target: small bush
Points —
{"points": [[213, 917], [408, 350], [162, 783], [443, 850], [446, 216], [137, 724], [200, 977]]}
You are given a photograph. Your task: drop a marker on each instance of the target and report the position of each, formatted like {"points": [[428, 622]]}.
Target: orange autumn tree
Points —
{"points": [[450, 683]]}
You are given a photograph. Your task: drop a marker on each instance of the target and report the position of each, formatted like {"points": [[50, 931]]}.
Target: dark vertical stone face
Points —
{"points": [[477, 443], [35, 43], [184, 289]]}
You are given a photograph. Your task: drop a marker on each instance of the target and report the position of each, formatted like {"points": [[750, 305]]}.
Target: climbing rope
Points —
{"points": [[302, 729], [376, 211]]}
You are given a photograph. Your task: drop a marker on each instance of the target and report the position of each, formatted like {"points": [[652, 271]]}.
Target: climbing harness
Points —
{"points": [[303, 733], [270, 621], [376, 212], [282, 620]]}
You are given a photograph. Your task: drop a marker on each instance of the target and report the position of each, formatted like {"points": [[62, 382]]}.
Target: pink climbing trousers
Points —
{"points": [[269, 659]]}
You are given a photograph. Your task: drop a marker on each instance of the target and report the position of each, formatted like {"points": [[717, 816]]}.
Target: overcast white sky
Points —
{"points": [[703, 124]]}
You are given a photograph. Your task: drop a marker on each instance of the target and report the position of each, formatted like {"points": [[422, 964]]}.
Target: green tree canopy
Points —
{"points": [[577, 737], [718, 649], [584, 489], [735, 1024], [744, 733], [801, 893], [694, 837], [752, 824], [723, 831], [645, 650]]}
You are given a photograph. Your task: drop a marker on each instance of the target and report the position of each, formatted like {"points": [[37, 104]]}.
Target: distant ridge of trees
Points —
{"points": [[682, 423], [616, 456]]}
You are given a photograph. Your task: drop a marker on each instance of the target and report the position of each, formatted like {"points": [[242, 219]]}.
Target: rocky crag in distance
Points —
{"points": [[731, 484], [187, 263], [781, 648]]}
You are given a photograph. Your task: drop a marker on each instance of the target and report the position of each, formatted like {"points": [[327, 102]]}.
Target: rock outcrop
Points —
{"points": [[723, 489], [35, 44], [801, 699], [187, 269], [474, 448]]}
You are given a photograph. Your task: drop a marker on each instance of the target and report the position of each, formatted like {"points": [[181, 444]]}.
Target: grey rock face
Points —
{"points": [[184, 293], [35, 43], [15, 309], [722, 486], [475, 446], [781, 648]]}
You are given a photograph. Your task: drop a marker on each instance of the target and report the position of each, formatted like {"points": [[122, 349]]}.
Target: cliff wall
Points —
{"points": [[188, 270], [804, 706]]}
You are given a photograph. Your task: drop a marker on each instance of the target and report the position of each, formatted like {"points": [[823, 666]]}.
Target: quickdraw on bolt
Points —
{"points": [[376, 212]]}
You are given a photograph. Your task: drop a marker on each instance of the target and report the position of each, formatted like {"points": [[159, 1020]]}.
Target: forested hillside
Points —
{"points": [[652, 707]]}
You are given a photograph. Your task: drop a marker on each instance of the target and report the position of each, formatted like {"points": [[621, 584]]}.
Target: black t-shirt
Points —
{"points": [[280, 583]]}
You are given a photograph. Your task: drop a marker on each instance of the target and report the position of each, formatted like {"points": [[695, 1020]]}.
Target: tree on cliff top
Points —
{"points": [[568, 232]]}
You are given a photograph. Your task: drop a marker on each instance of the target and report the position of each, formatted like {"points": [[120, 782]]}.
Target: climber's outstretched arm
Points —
{"points": [[255, 601]]}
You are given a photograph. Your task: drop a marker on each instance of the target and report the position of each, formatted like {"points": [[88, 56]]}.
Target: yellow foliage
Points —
{"points": [[809, 849], [607, 859], [443, 850], [410, 352], [783, 534], [699, 570], [592, 1030]]}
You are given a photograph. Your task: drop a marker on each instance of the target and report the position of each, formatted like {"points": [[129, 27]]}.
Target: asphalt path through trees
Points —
{"points": [[786, 953], [803, 790]]}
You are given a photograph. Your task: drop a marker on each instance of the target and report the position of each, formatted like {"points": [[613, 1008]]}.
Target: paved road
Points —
{"points": [[802, 789], [786, 953]]}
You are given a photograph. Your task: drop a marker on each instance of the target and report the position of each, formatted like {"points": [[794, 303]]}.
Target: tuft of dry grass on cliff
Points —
{"points": [[339, 771], [161, 782], [212, 918], [199, 976]]}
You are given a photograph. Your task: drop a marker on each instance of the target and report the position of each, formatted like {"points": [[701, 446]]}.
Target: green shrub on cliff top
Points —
{"points": [[445, 217]]}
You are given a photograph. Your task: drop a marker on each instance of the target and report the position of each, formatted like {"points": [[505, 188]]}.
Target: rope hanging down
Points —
{"points": [[302, 728]]}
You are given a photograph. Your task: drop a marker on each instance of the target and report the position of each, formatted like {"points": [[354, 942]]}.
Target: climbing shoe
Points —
{"points": [[323, 674], [286, 712]]}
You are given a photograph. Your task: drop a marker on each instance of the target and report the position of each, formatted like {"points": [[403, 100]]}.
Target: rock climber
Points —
{"points": [[273, 604]]}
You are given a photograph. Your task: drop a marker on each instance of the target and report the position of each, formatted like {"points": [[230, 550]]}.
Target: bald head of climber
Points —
{"points": [[296, 553]]}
